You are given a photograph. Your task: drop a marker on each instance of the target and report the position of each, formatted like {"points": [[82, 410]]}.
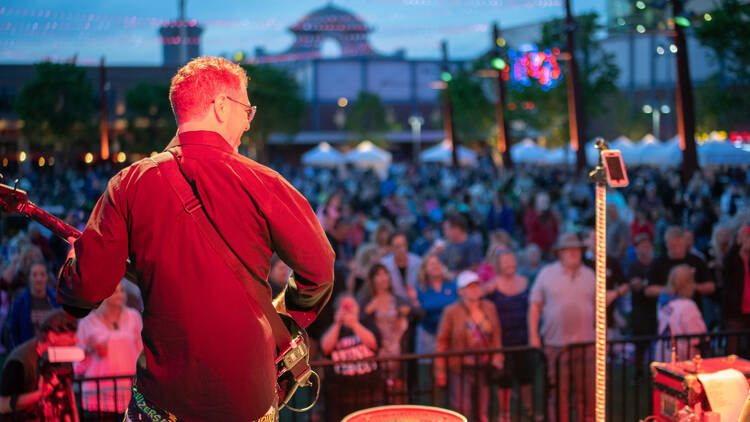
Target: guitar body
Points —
{"points": [[293, 367]]}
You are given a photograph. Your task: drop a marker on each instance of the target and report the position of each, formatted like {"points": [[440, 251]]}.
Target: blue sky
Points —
{"points": [[125, 31]]}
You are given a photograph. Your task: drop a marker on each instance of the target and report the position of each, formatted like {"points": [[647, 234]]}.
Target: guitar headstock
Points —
{"points": [[12, 199]]}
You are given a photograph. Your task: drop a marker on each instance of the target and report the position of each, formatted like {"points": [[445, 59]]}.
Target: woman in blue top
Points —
{"points": [[434, 292], [509, 291]]}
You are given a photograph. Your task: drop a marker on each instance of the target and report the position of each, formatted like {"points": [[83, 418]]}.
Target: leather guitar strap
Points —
{"points": [[168, 167]]}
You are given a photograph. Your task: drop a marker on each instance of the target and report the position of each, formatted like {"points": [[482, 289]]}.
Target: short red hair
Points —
{"points": [[197, 83]]}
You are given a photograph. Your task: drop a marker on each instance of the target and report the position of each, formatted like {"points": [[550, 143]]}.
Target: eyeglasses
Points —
{"points": [[250, 108]]}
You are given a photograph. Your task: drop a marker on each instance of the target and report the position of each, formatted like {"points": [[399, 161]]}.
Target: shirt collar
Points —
{"points": [[201, 137]]}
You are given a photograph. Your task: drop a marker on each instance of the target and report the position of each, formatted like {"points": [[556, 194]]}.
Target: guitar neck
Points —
{"points": [[64, 231]]}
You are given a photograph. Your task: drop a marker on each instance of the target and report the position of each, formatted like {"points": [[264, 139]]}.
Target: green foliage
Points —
{"points": [[597, 69], [473, 113], [630, 121], [57, 105], [278, 97], [366, 115], [148, 103], [728, 35]]}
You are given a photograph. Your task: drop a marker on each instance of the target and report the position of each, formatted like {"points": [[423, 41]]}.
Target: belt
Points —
{"points": [[141, 410]]}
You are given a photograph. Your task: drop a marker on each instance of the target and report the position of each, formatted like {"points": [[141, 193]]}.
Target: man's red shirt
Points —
{"points": [[209, 351]]}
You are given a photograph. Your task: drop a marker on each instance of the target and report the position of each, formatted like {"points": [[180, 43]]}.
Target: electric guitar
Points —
{"points": [[292, 364]]}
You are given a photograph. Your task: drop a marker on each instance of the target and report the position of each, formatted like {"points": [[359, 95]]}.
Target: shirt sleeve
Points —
{"points": [[300, 242], [537, 290], [96, 262]]}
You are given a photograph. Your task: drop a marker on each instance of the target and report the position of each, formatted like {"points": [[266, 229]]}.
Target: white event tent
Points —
{"points": [[323, 155], [441, 153], [367, 155]]}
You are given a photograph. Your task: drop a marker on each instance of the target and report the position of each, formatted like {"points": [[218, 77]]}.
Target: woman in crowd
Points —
{"points": [[678, 314], [348, 339], [31, 307], [389, 315], [509, 291], [111, 337], [434, 292], [469, 324]]}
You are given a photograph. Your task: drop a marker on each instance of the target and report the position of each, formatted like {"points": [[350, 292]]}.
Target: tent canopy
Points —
{"points": [[323, 155], [367, 155], [441, 153], [722, 153], [527, 151]]}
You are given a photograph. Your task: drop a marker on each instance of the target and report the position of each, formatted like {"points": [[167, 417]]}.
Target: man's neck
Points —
{"points": [[571, 270], [201, 125]]}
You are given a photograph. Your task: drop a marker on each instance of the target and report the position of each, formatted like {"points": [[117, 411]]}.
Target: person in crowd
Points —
{"points": [[618, 234], [676, 254], [736, 297], [435, 291], [349, 339], [368, 254], [678, 314], [690, 244], [26, 392], [643, 315], [278, 275], [329, 212], [31, 307], [424, 242], [641, 224], [461, 253], [402, 265], [540, 223], [16, 275], [498, 240], [617, 287], [111, 338], [389, 315], [509, 291], [721, 241], [381, 235], [500, 215], [531, 262], [562, 301], [469, 324]]}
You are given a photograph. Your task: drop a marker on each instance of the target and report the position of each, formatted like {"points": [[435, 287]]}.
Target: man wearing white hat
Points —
{"points": [[563, 299]]}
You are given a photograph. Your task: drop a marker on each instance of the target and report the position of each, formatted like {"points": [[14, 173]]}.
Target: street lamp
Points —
{"points": [[416, 123]]}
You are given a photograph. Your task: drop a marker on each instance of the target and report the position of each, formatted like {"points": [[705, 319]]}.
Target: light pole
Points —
{"points": [[416, 123]]}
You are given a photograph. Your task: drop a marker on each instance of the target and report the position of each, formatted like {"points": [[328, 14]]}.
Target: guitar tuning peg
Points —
{"points": [[15, 184]]}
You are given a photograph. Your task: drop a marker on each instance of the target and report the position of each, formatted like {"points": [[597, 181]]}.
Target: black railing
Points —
{"points": [[533, 377]]}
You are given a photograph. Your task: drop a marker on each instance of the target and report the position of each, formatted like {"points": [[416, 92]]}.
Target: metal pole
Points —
{"points": [[599, 177], [503, 134], [103, 122], [685, 107], [449, 127], [183, 34], [575, 104]]}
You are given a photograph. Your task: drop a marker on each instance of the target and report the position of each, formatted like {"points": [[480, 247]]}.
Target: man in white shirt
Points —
{"points": [[563, 299]]}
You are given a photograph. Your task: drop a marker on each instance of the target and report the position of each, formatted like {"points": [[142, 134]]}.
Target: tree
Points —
{"points": [[56, 106], [150, 119], [366, 116], [473, 114], [281, 106], [727, 34], [548, 109]]}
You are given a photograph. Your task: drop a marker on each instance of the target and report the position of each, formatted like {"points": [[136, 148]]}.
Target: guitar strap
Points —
{"points": [[168, 167]]}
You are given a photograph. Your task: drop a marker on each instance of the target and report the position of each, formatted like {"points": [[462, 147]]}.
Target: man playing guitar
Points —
{"points": [[209, 348]]}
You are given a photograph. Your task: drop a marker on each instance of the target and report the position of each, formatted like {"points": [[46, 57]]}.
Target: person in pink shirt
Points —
{"points": [[111, 338]]}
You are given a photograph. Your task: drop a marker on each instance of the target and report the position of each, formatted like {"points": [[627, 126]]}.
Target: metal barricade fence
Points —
{"points": [[539, 384], [472, 386], [629, 387]]}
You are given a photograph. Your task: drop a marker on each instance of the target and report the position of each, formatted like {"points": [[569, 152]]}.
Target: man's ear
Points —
{"points": [[221, 108]]}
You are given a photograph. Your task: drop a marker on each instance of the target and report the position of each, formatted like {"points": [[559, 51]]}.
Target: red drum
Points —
{"points": [[404, 413]]}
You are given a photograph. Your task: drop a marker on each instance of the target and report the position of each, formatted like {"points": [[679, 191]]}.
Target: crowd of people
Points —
{"points": [[432, 259]]}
